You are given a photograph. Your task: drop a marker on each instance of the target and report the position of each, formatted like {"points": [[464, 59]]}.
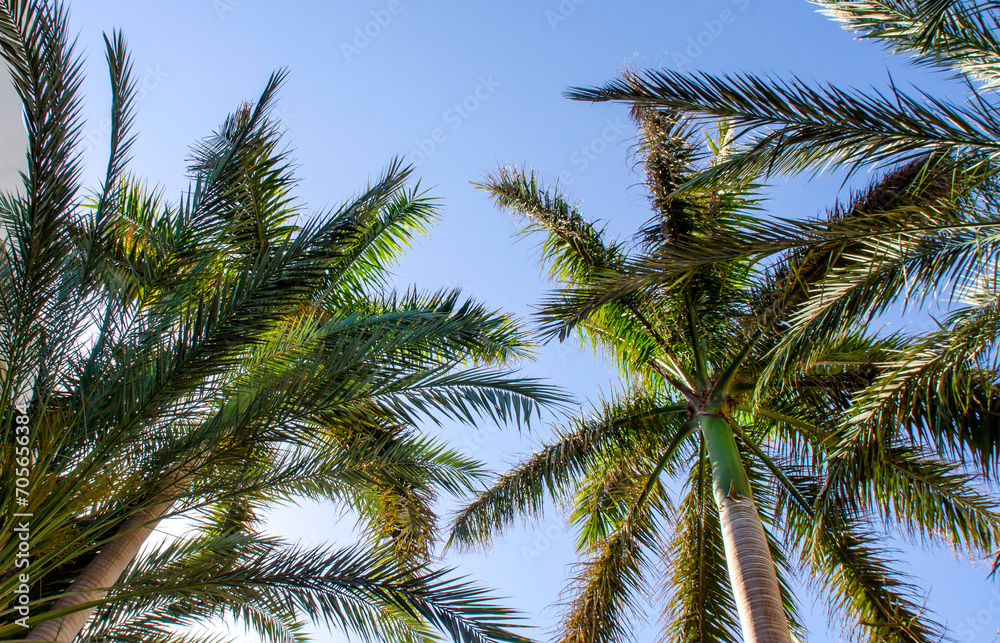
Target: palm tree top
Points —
{"points": [[215, 354]]}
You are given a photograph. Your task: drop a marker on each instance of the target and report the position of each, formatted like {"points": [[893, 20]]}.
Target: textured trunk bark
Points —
{"points": [[102, 572], [751, 569], [752, 574]]}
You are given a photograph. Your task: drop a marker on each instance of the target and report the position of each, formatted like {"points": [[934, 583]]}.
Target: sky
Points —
{"points": [[459, 88]]}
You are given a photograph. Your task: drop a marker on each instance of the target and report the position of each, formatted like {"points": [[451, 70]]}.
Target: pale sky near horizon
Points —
{"points": [[458, 88]]}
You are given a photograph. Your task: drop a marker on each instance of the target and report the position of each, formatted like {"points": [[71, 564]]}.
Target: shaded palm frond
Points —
{"points": [[625, 425], [354, 589]]}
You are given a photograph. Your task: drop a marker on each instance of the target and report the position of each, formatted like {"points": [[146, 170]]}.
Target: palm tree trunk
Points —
{"points": [[102, 572], [751, 573], [748, 556]]}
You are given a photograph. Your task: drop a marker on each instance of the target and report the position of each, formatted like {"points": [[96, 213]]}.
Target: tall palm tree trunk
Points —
{"points": [[748, 556], [107, 566], [751, 572], [102, 572]]}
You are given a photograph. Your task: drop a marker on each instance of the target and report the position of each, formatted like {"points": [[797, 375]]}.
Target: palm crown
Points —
{"points": [[893, 261], [209, 357], [695, 349]]}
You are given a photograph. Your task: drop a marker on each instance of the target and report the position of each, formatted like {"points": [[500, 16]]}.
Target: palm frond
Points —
{"points": [[955, 35], [788, 126], [353, 589], [875, 602], [608, 590], [621, 425]]}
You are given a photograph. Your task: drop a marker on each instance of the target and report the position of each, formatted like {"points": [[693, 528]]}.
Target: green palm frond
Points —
{"points": [[950, 34], [577, 253], [939, 388], [935, 500], [123, 89], [574, 247], [375, 237], [553, 472], [609, 491], [894, 277], [362, 591], [809, 244], [878, 603], [608, 591], [788, 126], [924, 183]]}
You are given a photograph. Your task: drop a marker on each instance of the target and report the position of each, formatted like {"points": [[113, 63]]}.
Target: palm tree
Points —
{"points": [[944, 382], [769, 475], [210, 357]]}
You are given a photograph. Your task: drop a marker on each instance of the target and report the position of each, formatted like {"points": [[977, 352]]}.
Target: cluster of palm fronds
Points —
{"points": [[845, 435], [209, 357]]}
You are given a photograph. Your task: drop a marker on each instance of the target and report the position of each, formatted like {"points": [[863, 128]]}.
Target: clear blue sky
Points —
{"points": [[459, 87]]}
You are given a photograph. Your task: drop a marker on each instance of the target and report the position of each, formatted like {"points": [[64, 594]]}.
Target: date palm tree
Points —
{"points": [[771, 482], [207, 358], [898, 259]]}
